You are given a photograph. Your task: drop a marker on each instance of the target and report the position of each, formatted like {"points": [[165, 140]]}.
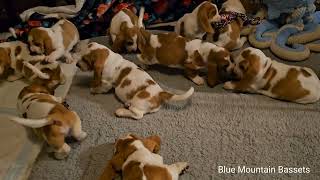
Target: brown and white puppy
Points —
{"points": [[124, 29], [229, 36], [133, 86], [136, 158], [198, 22], [259, 74], [10, 52], [172, 50], [49, 118], [54, 42]]}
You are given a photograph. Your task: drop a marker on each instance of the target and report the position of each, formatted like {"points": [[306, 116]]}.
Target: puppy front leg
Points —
{"points": [[77, 131], [14, 77], [193, 75], [178, 168], [55, 55], [144, 64], [69, 58], [239, 86], [212, 74]]}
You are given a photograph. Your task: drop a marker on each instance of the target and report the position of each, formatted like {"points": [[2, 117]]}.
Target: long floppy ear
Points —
{"points": [[152, 143], [204, 14], [118, 43], [48, 47], [143, 38], [109, 173], [213, 79]]}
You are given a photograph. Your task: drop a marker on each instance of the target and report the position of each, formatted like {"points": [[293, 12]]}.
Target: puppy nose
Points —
{"points": [[78, 65]]}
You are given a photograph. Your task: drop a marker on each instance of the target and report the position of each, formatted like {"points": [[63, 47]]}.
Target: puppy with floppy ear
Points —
{"points": [[135, 159], [198, 22], [51, 120], [229, 36], [203, 55], [259, 74], [54, 42], [11, 54], [124, 29], [133, 86]]}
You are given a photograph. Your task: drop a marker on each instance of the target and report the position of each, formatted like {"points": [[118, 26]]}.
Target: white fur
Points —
{"points": [[56, 36], [145, 157], [112, 69], [191, 26], [311, 83]]}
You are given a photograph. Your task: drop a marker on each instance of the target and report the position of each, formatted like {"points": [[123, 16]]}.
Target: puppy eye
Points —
{"points": [[36, 44], [242, 67]]}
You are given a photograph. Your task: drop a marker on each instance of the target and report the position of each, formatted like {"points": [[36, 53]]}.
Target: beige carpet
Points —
{"points": [[214, 128]]}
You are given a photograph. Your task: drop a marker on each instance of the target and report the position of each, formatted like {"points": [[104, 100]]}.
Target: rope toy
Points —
{"points": [[228, 16]]}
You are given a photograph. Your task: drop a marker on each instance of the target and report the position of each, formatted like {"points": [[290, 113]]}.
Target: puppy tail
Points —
{"points": [[33, 123], [36, 70], [141, 15], [181, 97]]}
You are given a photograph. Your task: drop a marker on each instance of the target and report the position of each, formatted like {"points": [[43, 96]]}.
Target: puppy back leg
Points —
{"points": [[56, 141], [14, 77], [76, 130], [178, 168], [131, 113]]}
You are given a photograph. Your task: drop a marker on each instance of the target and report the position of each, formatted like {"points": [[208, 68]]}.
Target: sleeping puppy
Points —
{"points": [[54, 42], [172, 50], [198, 22], [136, 158], [49, 118], [133, 86], [124, 29], [259, 74], [9, 55], [229, 36]]}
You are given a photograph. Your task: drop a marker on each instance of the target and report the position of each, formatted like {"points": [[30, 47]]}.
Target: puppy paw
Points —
{"points": [[182, 167], [198, 80], [228, 85], [69, 60], [82, 136], [50, 59], [12, 78]]}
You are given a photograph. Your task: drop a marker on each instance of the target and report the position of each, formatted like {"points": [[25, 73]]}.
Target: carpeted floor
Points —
{"points": [[214, 128]]}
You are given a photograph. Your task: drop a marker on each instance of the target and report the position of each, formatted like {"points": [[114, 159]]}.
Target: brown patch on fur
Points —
{"points": [[206, 12], [125, 83], [132, 171], [289, 88], [34, 88], [131, 94], [269, 75], [17, 51], [123, 150], [217, 63], [69, 31], [182, 31], [125, 36], [123, 73], [250, 67], [236, 27], [134, 19], [143, 94], [5, 60], [42, 40], [174, 44], [150, 82], [96, 60], [305, 73], [156, 172], [159, 99]]}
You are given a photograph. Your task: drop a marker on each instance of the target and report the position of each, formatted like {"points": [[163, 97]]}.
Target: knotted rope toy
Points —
{"points": [[228, 16]]}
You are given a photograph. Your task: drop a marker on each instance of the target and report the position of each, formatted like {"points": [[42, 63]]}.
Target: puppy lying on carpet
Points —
{"points": [[54, 42], [9, 54], [260, 74], [136, 158], [49, 118], [133, 86], [172, 50], [124, 29], [16, 63]]}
